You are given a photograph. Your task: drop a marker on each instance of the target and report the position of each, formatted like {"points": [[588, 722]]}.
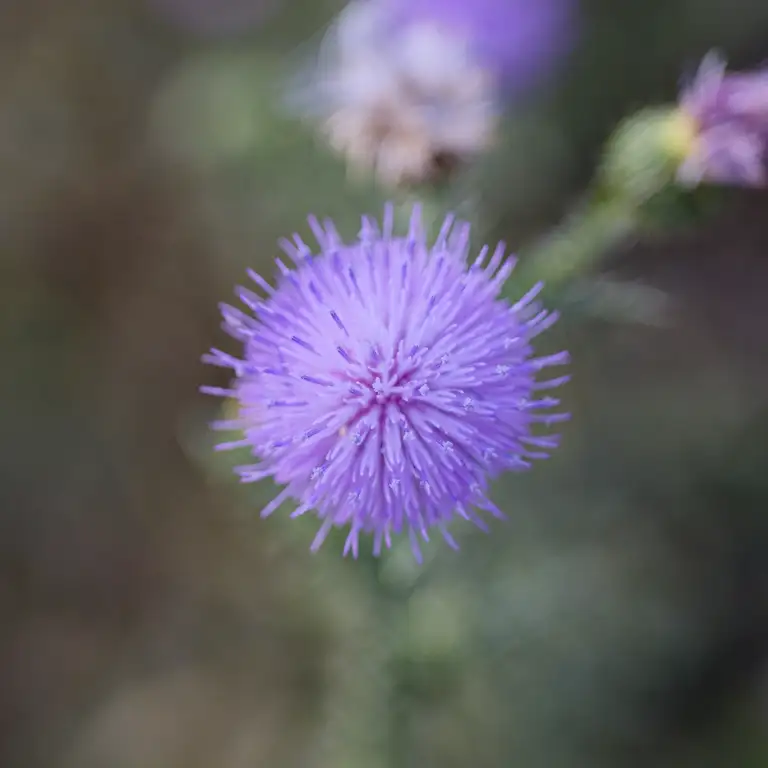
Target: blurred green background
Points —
{"points": [[149, 619]]}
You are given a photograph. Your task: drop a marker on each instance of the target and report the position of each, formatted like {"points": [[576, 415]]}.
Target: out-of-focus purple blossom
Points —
{"points": [[385, 382], [729, 126], [214, 17], [518, 41], [405, 87]]}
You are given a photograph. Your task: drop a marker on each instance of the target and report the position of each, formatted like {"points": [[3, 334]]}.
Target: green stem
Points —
{"points": [[567, 261], [578, 245], [398, 716], [393, 594]]}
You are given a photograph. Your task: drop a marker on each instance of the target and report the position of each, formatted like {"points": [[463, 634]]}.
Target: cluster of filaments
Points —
{"points": [[384, 383]]}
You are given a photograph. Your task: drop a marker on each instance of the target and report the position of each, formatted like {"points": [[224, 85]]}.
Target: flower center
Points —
{"points": [[379, 384]]}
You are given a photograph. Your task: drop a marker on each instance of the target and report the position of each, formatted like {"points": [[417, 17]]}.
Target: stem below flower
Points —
{"points": [[579, 244]]}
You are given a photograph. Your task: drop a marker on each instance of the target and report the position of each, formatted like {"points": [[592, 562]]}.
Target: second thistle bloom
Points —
{"points": [[717, 133], [409, 87], [727, 126], [385, 382]]}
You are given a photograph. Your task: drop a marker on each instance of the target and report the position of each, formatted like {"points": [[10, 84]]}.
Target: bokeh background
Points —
{"points": [[149, 619]]}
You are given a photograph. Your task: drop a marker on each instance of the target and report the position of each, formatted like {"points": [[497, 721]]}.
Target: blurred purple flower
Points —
{"points": [[518, 41], [729, 126], [215, 17], [385, 382], [410, 87]]}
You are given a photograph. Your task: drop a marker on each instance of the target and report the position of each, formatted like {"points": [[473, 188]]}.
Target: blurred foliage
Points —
{"points": [[148, 618]]}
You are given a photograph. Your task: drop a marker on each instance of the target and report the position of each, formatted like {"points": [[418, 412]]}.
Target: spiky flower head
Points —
{"points": [[385, 382], [728, 118], [409, 89]]}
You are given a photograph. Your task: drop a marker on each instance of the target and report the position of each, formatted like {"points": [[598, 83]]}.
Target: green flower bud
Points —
{"points": [[645, 153]]}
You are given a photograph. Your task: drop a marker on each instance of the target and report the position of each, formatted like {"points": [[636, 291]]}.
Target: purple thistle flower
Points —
{"points": [[519, 41], [729, 126], [384, 383], [409, 89]]}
